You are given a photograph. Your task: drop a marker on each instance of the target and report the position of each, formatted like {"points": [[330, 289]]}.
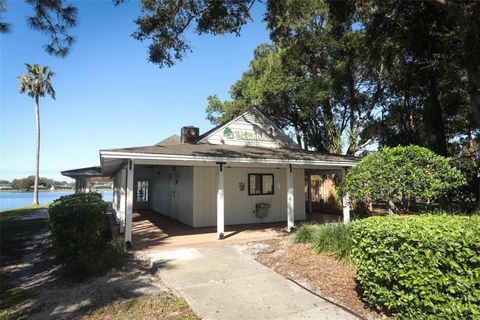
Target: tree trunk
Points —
{"points": [[433, 118], [37, 156], [473, 74]]}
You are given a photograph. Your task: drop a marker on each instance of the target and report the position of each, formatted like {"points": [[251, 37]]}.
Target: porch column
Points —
{"points": [[220, 203], [123, 200], [129, 208], [345, 201], [114, 197], [290, 200], [309, 195]]}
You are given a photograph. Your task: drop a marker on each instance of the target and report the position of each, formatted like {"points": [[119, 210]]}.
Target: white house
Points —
{"points": [[244, 171]]}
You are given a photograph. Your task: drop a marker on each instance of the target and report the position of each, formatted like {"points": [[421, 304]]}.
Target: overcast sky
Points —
{"points": [[108, 94]]}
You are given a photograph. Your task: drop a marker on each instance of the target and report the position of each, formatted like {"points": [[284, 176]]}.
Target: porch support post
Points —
{"points": [[345, 201], [123, 200], [309, 195], [220, 203], [290, 200], [129, 209]]}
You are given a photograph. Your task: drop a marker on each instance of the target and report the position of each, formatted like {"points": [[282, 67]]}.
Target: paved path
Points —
{"points": [[37, 214], [224, 282]]}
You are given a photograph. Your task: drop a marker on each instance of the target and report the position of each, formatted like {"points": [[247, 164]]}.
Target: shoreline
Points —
{"points": [[56, 190]]}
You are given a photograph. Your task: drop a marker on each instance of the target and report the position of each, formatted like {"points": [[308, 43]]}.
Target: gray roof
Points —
{"points": [[173, 139], [90, 171], [230, 151]]}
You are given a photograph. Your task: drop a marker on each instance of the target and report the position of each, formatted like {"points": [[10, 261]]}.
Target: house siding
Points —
{"points": [[239, 205]]}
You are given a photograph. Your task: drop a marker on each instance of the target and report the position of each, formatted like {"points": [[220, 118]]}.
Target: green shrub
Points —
{"points": [[304, 234], [420, 267], [396, 174], [81, 236], [332, 238]]}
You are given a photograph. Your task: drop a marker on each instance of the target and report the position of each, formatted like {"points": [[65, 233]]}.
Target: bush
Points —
{"points": [[401, 175], [81, 236], [333, 238], [420, 267], [304, 234]]}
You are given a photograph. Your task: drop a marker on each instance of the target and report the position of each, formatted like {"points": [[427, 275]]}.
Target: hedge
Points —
{"points": [[419, 267], [81, 235]]}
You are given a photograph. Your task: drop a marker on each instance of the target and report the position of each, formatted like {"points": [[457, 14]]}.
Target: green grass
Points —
{"points": [[333, 238], [13, 213]]}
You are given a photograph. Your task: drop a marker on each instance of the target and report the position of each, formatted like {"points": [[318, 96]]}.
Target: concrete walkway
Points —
{"points": [[224, 282], [37, 214]]}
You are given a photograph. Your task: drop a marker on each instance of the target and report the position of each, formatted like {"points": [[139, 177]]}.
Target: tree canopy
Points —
{"points": [[401, 174]]}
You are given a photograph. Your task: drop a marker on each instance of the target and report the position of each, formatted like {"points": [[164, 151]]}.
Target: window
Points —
{"points": [[142, 191], [259, 184]]}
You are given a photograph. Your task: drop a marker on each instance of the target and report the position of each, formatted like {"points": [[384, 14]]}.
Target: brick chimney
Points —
{"points": [[188, 134]]}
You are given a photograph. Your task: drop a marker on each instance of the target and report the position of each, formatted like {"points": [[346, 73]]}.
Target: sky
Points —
{"points": [[108, 94]]}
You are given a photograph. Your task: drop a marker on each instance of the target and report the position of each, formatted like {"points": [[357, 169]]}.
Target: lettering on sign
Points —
{"points": [[246, 135]]}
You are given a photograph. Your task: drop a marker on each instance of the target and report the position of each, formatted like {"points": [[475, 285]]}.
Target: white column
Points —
{"points": [[345, 202], [220, 203], [290, 200], [309, 195], [114, 197], [123, 199], [129, 209]]}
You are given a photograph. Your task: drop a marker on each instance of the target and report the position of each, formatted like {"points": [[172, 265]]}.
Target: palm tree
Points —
{"points": [[37, 83]]}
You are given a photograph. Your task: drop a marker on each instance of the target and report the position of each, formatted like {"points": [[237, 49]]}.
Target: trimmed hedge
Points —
{"points": [[81, 235], [420, 267]]}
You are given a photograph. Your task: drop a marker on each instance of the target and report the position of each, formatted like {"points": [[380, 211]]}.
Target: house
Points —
{"points": [[241, 172]]}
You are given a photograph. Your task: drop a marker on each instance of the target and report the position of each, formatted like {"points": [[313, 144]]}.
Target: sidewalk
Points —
{"points": [[222, 282]]}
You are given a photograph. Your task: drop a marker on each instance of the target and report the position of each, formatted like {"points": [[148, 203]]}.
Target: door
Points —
{"points": [[172, 182], [142, 194]]}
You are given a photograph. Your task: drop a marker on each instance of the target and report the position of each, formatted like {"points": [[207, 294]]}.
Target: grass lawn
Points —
{"points": [[146, 307], [12, 235]]}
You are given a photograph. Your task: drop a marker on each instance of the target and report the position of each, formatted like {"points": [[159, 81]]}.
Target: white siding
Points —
{"points": [[172, 192], [160, 191], [251, 123], [205, 185], [239, 205], [184, 195]]}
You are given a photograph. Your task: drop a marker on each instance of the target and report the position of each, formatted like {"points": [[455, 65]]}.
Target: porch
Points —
{"points": [[153, 232]]}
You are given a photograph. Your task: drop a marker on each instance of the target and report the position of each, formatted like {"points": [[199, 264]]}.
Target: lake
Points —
{"points": [[11, 200]]}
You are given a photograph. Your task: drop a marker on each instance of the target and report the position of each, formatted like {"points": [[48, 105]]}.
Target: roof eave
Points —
{"points": [[172, 157]]}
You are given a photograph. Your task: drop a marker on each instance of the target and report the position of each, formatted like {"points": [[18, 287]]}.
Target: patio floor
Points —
{"points": [[153, 232]]}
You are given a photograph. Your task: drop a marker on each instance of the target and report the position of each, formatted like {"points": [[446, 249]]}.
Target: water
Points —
{"points": [[11, 200]]}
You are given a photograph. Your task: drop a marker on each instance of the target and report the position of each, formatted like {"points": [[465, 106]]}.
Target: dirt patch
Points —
{"points": [[322, 274], [50, 295], [146, 307]]}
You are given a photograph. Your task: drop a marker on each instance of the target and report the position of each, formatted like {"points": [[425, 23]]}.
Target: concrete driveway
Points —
{"points": [[225, 282]]}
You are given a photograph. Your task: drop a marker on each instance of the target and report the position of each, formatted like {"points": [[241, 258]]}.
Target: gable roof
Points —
{"points": [[172, 140], [203, 138]]}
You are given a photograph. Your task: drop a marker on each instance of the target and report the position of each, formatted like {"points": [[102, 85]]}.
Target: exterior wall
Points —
{"points": [[160, 190], [171, 192], [250, 129], [239, 205]]}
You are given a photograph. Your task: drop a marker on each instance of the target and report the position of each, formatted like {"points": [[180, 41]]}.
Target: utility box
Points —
{"points": [[262, 210]]}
